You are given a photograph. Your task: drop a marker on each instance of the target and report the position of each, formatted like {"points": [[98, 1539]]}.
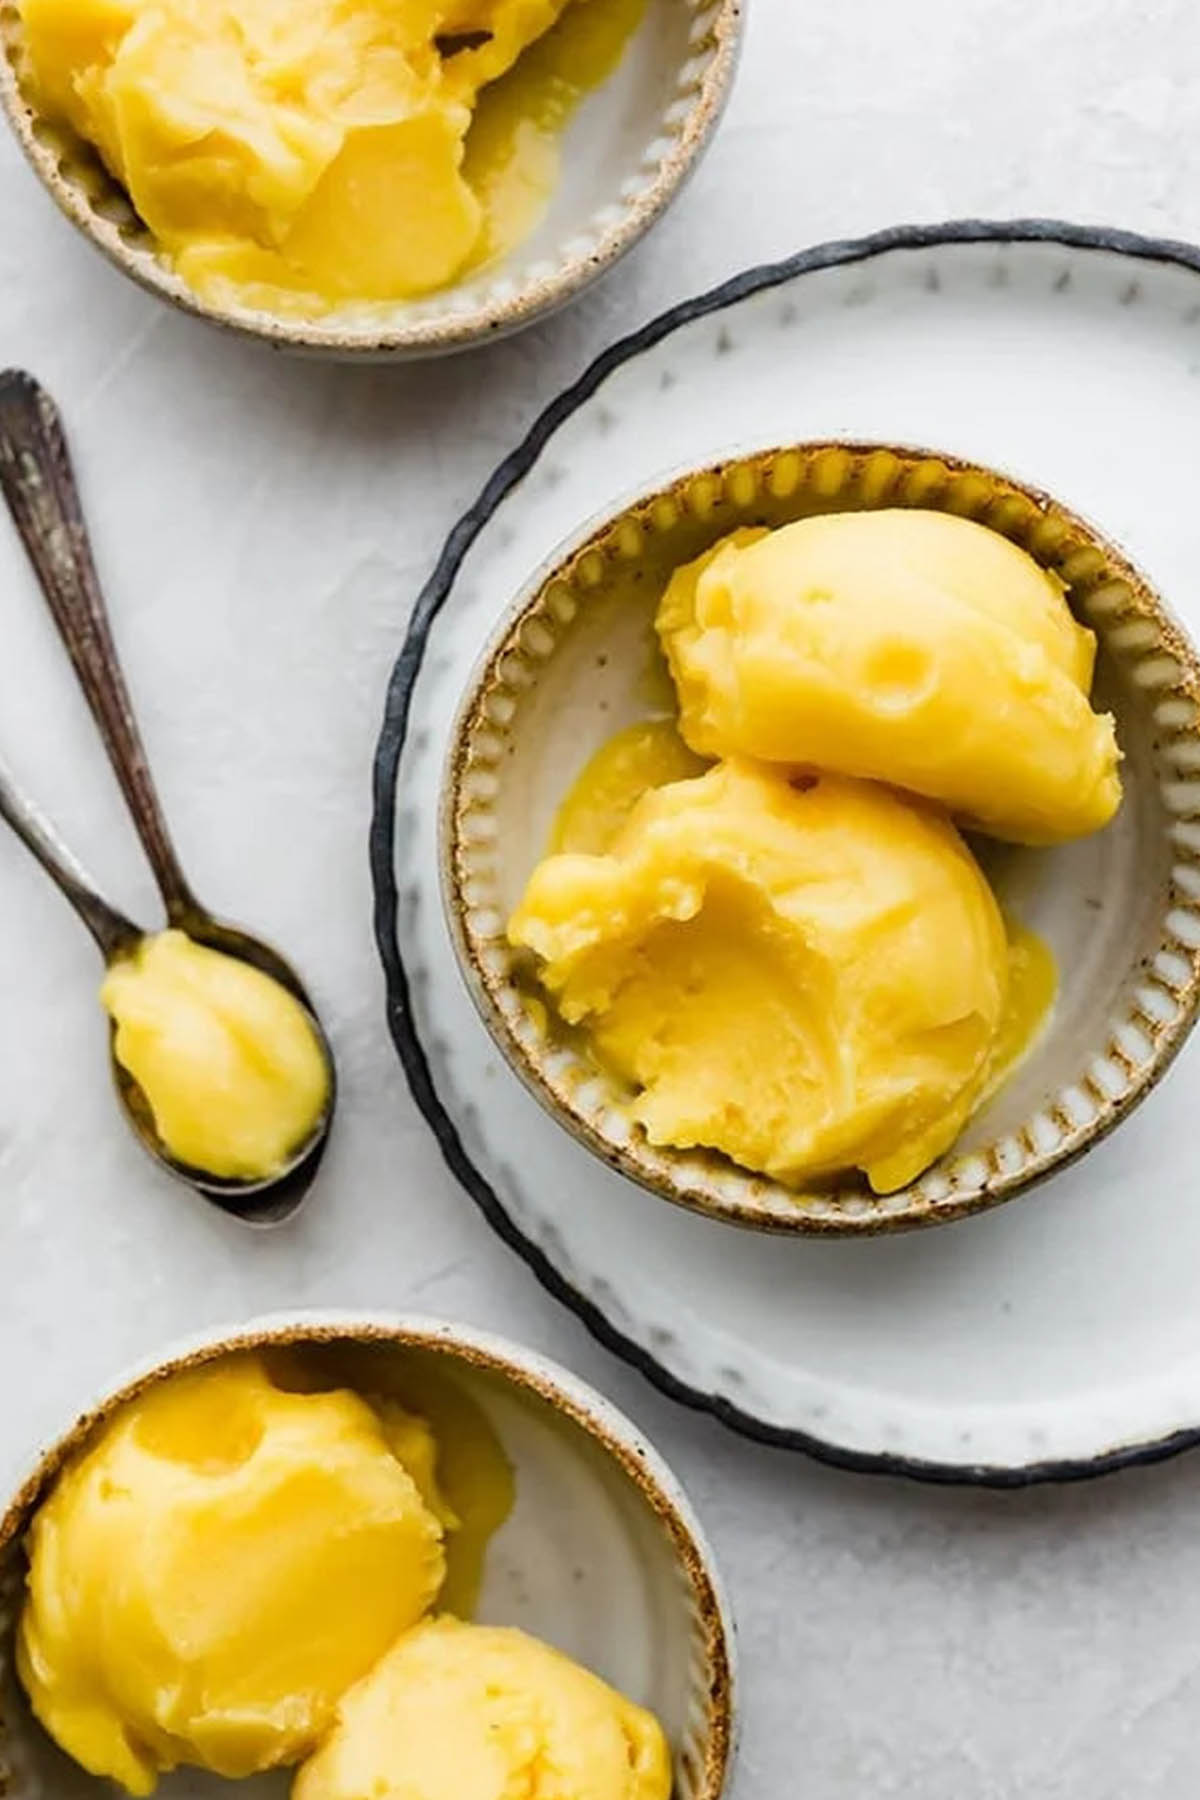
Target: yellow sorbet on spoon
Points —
{"points": [[221, 1562], [474, 1712], [910, 647], [806, 976], [228, 1060]]}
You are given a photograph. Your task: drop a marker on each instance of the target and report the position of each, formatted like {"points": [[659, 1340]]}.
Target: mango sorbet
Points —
{"points": [[646, 755], [472, 1712], [214, 1571], [228, 1060], [915, 648], [808, 976], [274, 147]]}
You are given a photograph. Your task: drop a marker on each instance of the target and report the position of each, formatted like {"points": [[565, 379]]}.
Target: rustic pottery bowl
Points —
{"points": [[601, 1556], [574, 660], [624, 158]]}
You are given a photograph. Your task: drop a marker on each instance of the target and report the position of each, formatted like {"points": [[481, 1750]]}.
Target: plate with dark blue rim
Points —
{"points": [[1058, 1336]]}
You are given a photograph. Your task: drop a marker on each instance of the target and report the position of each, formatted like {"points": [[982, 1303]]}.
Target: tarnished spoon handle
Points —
{"points": [[111, 929], [39, 485]]}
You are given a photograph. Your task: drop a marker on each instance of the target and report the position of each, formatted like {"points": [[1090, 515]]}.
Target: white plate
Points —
{"points": [[1059, 1335]]}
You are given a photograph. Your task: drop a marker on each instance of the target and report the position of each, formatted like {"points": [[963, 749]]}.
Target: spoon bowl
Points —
{"points": [[38, 483]]}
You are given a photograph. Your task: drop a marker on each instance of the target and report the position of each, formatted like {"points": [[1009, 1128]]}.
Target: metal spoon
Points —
{"points": [[38, 482]]}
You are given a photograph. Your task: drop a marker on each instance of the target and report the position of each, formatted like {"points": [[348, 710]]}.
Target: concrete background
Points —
{"points": [[263, 526]]}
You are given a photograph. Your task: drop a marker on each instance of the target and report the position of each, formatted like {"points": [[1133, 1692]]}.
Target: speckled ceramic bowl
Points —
{"points": [[569, 665], [601, 1555], [624, 158]]}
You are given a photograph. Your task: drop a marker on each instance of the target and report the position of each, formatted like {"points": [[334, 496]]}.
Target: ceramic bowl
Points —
{"points": [[624, 158], [574, 660], [601, 1555]]}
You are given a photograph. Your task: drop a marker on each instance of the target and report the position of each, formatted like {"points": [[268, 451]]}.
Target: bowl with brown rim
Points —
{"points": [[601, 1555], [624, 159], [567, 667]]}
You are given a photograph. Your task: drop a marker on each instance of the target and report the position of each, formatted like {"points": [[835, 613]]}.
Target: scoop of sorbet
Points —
{"points": [[808, 977], [228, 1060], [215, 1570], [473, 1712], [914, 648]]}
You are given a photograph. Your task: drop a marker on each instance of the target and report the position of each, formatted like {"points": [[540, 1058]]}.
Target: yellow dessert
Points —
{"points": [[472, 1712], [228, 1060], [299, 154], [216, 1568], [807, 976], [643, 756], [449, 1446], [651, 754], [513, 148], [914, 648]]}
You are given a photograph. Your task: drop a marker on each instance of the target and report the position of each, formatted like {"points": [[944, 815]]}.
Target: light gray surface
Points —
{"points": [[263, 526]]}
